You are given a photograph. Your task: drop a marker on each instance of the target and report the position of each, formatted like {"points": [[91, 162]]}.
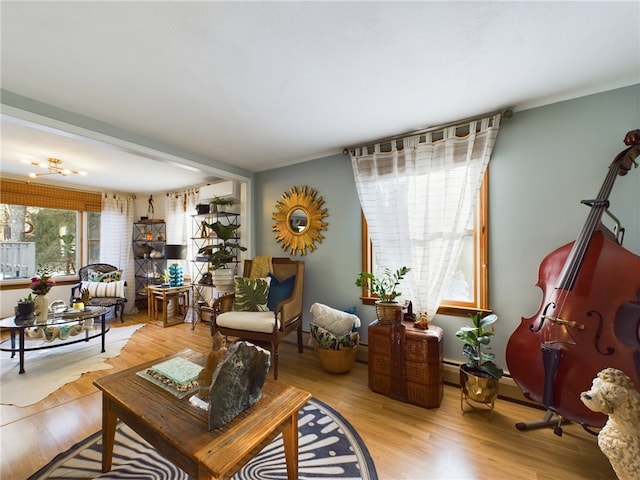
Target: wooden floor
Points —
{"points": [[405, 441]]}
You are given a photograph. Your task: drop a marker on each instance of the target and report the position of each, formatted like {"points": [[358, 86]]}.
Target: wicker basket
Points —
{"points": [[388, 313], [337, 361]]}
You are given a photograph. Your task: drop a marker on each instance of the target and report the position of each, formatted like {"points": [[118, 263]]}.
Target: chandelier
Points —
{"points": [[53, 167]]}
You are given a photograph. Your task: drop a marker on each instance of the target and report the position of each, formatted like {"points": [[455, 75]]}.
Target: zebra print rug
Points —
{"points": [[329, 448]]}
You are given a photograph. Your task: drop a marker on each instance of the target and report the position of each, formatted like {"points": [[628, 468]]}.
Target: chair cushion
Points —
{"points": [[252, 321], [279, 290], [251, 294], [104, 289], [97, 276], [336, 321]]}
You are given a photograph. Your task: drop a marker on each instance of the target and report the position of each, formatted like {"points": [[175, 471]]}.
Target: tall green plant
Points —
{"points": [[476, 340], [222, 253]]}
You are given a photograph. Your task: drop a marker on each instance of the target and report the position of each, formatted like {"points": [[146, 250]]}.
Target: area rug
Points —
{"points": [[49, 369], [328, 446]]}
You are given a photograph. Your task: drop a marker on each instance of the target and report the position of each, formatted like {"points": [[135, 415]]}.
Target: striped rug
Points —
{"points": [[329, 448]]}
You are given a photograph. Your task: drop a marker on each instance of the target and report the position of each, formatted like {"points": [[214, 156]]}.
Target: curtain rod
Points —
{"points": [[507, 113]]}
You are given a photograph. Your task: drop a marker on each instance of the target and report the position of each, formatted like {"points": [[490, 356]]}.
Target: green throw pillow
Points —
{"points": [[252, 294]]}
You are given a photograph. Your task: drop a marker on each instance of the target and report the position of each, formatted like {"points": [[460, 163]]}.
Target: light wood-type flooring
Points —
{"points": [[405, 441]]}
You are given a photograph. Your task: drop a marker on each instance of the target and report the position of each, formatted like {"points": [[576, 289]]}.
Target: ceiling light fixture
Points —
{"points": [[54, 167]]}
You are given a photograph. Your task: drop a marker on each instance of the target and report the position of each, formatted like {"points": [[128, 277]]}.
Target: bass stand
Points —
{"points": [[550, 360]]}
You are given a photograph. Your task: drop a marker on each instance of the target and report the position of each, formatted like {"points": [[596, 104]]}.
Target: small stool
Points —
{"points": [[161, 297]]}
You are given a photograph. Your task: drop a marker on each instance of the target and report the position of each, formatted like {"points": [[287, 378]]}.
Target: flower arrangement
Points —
{"points": [[42, 282]]}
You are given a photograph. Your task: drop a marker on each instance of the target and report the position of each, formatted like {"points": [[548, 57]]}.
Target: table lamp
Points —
{"points": [[176, 272]]}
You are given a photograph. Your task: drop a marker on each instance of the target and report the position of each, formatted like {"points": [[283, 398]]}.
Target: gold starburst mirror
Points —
{"points": [[299, 221]]}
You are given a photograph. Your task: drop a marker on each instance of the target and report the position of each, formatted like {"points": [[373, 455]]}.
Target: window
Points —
{"points": [[469, 289], [47, 226]]}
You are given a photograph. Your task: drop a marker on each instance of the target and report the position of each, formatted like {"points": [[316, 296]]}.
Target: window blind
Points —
{"points": [[22, 193]]}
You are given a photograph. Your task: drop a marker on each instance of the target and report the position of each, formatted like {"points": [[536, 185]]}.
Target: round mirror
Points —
{"points": [[299, 221]]}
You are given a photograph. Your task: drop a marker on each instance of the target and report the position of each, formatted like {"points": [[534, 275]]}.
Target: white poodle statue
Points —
{"points": [[614, 394]]}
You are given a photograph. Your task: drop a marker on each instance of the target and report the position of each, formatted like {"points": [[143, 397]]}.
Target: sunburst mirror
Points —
{"points": [[299, 221]]}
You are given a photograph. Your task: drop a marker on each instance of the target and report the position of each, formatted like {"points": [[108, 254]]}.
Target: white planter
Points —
{"points": [[223, 279]]}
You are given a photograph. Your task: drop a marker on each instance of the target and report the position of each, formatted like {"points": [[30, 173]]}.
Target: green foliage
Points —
{"points": [[476, 339], [222, 201], [222, 253], [384, 285], [51, 248], [28, 299]]}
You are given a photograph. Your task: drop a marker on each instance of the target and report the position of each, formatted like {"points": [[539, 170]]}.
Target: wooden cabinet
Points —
{"points": [[405, 363]]}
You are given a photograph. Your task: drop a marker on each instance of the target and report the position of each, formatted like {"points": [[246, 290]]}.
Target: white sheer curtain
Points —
{"points": [[179, 208], [418, 195], [116, 229]]}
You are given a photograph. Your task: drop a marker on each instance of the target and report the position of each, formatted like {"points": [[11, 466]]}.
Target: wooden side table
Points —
{"points": [[159, 295], [405, 363]]}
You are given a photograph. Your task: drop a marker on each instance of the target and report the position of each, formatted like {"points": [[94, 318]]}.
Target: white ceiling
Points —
{"points": [[259, 85]]}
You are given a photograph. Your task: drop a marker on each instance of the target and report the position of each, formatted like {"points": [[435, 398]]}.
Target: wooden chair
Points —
{"points": [[264, 327], [116, 302]]}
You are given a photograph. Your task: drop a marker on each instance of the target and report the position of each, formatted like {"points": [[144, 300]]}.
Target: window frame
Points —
{"points": [[481, 261], [15, 192]]}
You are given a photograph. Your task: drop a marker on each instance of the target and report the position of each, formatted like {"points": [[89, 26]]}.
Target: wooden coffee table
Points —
{"points": [[179, 430]]}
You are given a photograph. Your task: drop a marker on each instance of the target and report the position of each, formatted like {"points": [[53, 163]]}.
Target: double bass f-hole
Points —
{"points": [[557, 320], [543, 318], [598, 335]]}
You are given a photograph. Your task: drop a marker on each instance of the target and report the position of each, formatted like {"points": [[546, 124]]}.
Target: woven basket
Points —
{"points": [[388, 313], [337, 361]]}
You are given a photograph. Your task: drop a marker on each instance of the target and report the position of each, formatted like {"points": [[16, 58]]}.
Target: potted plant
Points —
{"points": [[25, 309], [385, 286], [479, 376], [220, 254], [220, 204]]}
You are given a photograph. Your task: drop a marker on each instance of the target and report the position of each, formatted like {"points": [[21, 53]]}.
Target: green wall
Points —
{"points": [[545, 161]]}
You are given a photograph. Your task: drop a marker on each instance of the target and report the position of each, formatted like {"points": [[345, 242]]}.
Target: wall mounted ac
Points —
{"points": [[226, 189]]}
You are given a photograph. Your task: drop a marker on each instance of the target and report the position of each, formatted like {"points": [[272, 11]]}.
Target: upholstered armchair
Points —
{"points": [[105, 285], [267, 326]]}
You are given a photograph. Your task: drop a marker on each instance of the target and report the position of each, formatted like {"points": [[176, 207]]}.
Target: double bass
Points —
{"points": [[589, 318]]}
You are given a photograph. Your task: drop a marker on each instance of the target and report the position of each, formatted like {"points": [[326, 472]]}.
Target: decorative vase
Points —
{"points": [[42, 308], [176, 275]]}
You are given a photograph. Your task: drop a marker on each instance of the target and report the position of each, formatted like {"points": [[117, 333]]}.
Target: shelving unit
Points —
{"points": [[204, 290], [149, 239]]}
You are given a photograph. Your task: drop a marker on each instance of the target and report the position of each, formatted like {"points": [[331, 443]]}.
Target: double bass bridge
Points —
{"points": [[560, 321]]}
